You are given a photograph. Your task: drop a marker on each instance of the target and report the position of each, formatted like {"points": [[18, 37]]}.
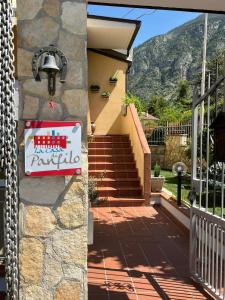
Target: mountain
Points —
{"points": [[162, 61]]}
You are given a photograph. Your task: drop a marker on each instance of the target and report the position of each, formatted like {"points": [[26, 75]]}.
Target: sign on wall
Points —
{"points": [[52, 148]]}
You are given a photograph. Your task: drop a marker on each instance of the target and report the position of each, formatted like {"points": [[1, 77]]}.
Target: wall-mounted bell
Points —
{"points": [[50, 64], [51, 68], [51, 61]]}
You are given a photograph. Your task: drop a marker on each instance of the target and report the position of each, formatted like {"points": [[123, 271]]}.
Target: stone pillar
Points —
{"points": [[53, 210]]}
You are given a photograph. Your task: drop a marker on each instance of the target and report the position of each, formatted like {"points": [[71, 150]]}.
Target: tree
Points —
{"points": [[183, 91], [138, 102], [156, 105], [170, 115], [183, 98]]}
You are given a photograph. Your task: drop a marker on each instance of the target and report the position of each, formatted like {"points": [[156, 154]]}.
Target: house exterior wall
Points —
{"points": [[131, 125], [106, 113], [53, 210]]}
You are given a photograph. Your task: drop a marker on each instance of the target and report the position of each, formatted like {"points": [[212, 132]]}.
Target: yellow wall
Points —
{"points": [[128, 126], [106, 113], [88, 121]]}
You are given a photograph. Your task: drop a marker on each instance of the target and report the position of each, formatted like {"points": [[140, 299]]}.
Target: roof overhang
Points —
{"points": [[214, 6], [111, 33]]}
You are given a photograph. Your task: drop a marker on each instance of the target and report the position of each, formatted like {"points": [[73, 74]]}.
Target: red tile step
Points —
{"points": [[117, 145], [112, 166], [111, 158], [113, 174], [117, 182], [119, 202], [111, 138], [109, 151], [120, 192]]}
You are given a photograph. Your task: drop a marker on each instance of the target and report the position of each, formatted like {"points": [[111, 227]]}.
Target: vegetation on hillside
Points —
{"points": [[179, 107], [162, 62], [176, 110]]}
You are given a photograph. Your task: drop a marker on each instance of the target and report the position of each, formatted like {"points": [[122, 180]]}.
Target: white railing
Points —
{"points": [[208, 251]]}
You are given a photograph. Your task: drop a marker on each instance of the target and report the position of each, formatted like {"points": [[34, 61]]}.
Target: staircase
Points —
{"points": [[112, 164]]}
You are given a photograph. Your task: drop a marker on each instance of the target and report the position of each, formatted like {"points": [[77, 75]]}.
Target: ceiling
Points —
{"points": [[111, 33], [188, 5]]}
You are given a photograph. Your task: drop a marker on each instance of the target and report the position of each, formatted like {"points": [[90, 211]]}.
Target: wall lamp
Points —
{"points": [[51, 61]]}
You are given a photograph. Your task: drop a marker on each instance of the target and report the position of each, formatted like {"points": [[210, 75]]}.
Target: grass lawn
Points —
{"points": [[171, 184]]}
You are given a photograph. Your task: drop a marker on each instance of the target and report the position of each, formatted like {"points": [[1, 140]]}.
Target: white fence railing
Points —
{"points": [[157, 135], [208, 251]]}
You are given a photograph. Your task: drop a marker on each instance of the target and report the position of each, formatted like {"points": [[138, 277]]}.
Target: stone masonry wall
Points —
{"points": [[53, 210]]}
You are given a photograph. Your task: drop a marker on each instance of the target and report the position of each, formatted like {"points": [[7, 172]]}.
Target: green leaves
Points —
{"points": [[138, 102]]}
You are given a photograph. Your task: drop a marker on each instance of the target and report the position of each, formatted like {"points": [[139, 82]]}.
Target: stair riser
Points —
{"points": [[114, 174], [112, 167], [112, 159], [118, 184], [115, 145], [109, 151], [124, 189], [118, 203], [112, 139], [119, 193]]}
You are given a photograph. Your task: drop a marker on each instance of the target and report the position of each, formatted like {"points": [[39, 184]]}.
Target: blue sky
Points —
{"points": [[158, 22]]}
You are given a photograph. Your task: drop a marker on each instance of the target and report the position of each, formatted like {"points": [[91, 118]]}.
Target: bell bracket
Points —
{"points": [[36, 68]]}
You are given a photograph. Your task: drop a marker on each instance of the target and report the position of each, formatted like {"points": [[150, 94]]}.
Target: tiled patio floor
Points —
{"points": [[139, 253]]}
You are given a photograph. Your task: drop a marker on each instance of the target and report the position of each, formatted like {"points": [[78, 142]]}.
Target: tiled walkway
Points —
{"points": [[139, 253]]}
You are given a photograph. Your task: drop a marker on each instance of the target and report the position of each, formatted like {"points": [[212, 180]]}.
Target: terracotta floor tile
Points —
{"points": [[147, 297], [122, 296], [120, 286], [98, 297], [94, 289], [139, 253]]}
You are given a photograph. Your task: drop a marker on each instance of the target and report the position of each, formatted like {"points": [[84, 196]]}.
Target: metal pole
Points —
{"points": [[216, 113], [179, 177], [202, 104], [207, 147], [194, 143], [204, 55]]}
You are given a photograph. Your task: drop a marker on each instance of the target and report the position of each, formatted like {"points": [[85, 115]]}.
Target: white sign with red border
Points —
{"points": [[52, 148]]}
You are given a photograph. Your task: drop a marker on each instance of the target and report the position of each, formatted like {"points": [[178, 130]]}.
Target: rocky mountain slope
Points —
{"points": [[162, 61]]}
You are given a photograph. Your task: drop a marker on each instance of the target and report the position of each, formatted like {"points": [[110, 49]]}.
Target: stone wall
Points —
{"points": [[53, 210]]}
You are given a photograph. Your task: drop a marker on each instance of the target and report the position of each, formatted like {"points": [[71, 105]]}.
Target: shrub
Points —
{"points": [[157, 170]]}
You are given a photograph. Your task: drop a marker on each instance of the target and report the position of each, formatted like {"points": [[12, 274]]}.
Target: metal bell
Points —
{"points": [[50, 64]]}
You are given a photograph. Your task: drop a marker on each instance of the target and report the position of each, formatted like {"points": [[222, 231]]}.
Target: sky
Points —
{"points": [[156, 23]]}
